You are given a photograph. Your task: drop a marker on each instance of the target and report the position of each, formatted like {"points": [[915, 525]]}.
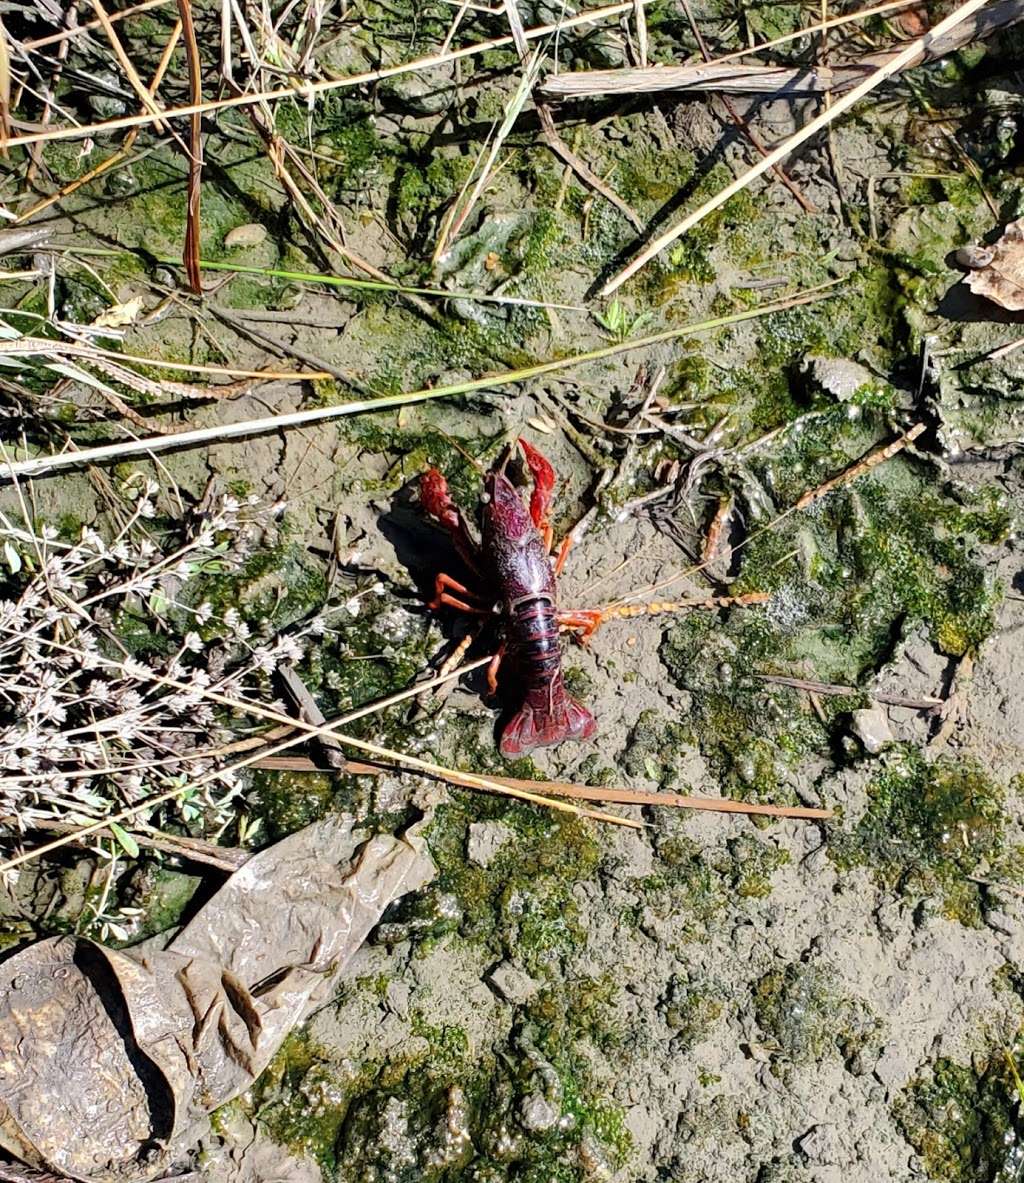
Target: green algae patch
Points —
{"points": [[928, 828], [436, 1110], [522, 902], [654, 750], [691, 1012], [751, 735], [304, 1096], [690, 888], [963, 1123], [847, 577], [801, 1009]]}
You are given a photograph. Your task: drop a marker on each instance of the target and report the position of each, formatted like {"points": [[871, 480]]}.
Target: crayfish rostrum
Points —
{"points": [[515, 575]]}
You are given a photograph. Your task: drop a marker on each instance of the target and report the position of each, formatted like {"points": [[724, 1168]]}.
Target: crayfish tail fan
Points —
{"points": [[542, 725]]}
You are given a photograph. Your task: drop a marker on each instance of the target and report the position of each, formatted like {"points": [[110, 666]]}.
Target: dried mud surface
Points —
{"points": [[708, 998]]}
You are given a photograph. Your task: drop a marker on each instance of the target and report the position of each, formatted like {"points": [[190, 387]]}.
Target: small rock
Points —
{"points": [[512, 983], [251, 234], [838, 376], [485, 840], [593, 1159], [396, 998], [1001, 921], [538, 1114], [894, 1067], [975, 257], [871, 727], [823, 1144]]}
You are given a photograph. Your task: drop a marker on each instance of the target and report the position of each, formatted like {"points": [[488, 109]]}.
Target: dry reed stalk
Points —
{"points": [[612, 795], [893, 65], [195, 153], [46, 346], [122, 154], [5, 87], [622, 796], [717, 74], [88, 26], [44, 465], [310, 90], [128, 66]]}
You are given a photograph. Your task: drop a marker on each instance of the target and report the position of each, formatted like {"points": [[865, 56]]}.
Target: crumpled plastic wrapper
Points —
{"points": [[110, 1061]]}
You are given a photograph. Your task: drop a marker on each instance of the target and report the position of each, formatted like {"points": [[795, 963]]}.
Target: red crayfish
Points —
{"points": [[516, 575]]}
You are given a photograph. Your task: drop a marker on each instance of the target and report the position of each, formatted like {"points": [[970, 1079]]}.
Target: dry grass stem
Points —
{"points": [[44, 465], [310, 90], [673, 800], [892, 65]]}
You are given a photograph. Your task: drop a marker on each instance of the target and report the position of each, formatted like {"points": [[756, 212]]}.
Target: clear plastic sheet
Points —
{"points": [[110, 1061]]}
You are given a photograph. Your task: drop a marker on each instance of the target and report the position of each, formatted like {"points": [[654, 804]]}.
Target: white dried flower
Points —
{"points": [[194, 642], [289, 649]]}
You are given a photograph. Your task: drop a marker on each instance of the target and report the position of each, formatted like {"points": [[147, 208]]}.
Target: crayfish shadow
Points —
{"points": [[419, 546]]}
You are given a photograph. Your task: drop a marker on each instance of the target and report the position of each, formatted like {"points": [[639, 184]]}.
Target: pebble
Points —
{"points": [[838, 376], [251, 234], [512, 983], [538, 1114], [871, 727], [974, 258], [485, 840]]}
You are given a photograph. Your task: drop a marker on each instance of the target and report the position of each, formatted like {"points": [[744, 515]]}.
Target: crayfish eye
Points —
{"points": [[485, 499]]}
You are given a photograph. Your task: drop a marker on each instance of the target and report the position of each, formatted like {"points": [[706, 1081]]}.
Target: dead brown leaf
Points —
{"points": [[1001, 280]]}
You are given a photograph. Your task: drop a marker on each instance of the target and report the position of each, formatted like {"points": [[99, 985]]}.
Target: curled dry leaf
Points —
{"points": [[119, 315], [112, 1060], [1001, 279]]}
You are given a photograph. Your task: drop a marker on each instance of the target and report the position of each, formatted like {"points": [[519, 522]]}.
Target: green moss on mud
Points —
{"points": [[927, 828], [441, 1110], [847, 577], [963, 1122], [522, 902], [801, 1009]]}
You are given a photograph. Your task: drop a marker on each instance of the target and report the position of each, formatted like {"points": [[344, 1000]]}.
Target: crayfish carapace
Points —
{"points": [[516, 577]]}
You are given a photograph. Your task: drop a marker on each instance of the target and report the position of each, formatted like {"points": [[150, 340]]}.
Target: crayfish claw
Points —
{"points": [[436, 499], [543, 487]]}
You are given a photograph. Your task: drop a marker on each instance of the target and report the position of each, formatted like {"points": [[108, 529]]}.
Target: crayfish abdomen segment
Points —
{"points": [[549, 713]]}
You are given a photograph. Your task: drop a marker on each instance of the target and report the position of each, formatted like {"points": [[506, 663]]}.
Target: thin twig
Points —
{"points": [[137, 84], [892, 65], [637, 797], [88, 26], [40, 465], [739, 121], [195, 155], [836, 690]]}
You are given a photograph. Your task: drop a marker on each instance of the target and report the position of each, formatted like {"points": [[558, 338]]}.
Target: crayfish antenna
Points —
{"points": [[543, 725]]}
